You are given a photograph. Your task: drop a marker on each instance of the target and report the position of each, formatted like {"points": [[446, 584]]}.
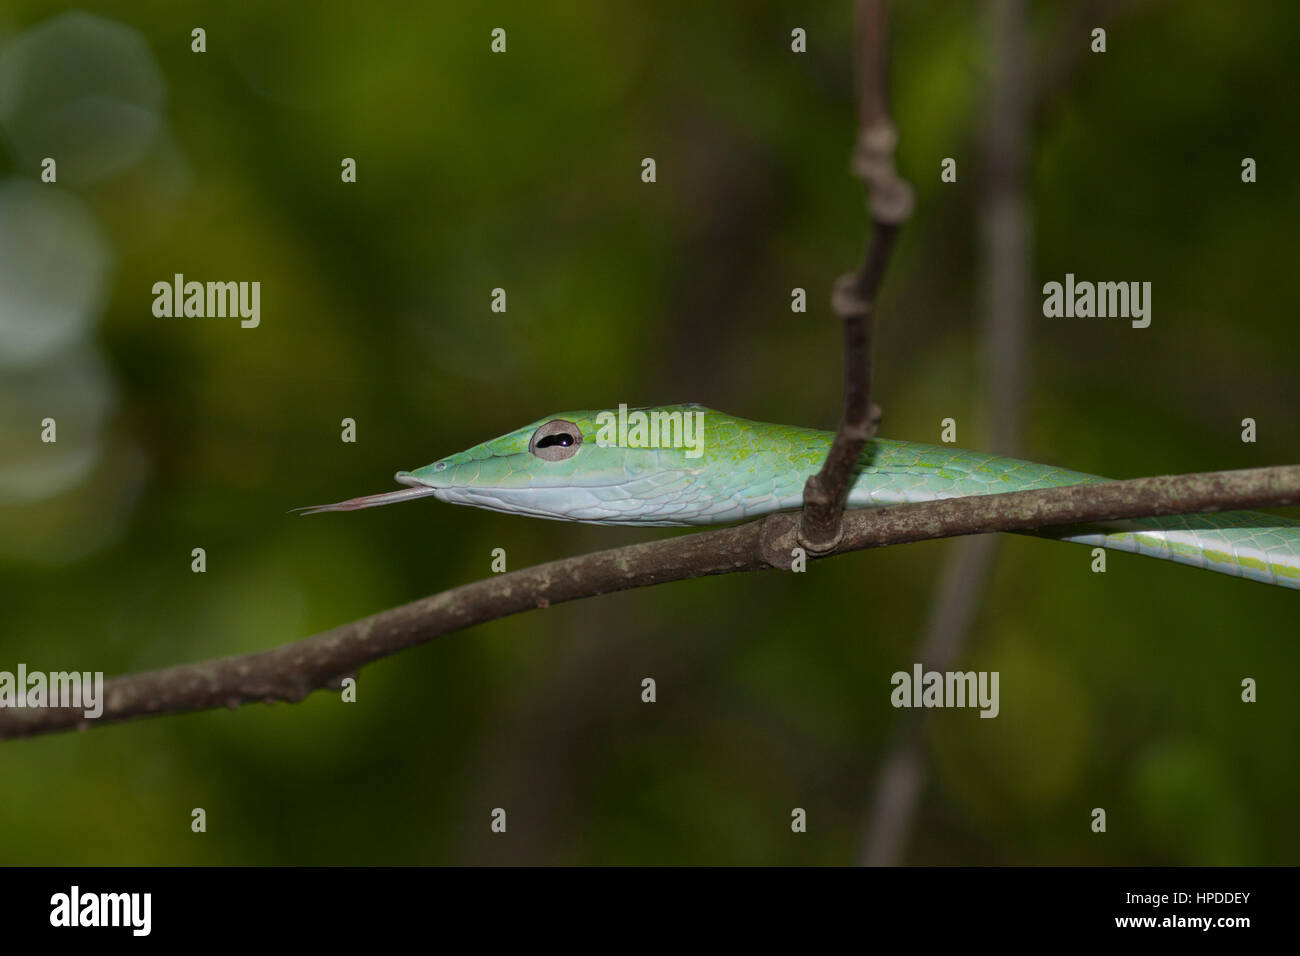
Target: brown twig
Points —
{"points": [[293, 671], [968, 565], [854, 296]]}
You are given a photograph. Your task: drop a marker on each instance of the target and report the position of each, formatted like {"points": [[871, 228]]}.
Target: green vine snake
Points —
{"points": [[712, 468]]}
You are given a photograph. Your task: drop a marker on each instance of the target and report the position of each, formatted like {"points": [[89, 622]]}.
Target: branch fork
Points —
{"points": [[853, 297]]}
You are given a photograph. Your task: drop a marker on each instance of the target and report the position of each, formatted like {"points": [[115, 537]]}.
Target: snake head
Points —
{"points": [[605, 467]]}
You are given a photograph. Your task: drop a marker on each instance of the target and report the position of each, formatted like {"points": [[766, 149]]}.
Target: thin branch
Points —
{"points": [[903, 771], [1005, 234], [854, 296], [293, 671]]}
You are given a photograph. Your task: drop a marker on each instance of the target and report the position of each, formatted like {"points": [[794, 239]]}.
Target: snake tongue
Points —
{"points": [[372, 501]]}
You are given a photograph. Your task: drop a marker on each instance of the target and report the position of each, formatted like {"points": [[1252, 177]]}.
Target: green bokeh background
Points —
{"points": [[1119, 690]]}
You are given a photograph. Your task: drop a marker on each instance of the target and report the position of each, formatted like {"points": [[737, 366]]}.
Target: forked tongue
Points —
{"points": [[371, 501]]}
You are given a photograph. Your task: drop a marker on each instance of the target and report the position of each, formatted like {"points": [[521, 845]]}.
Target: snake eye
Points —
{"points": [[556, 440]]}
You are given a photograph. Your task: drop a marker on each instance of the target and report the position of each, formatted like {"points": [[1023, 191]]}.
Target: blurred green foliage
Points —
{"points": [[522, 171]]}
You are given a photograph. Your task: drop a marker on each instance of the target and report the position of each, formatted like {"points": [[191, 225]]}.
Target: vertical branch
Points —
{"points": [[902, 776], [1004, 226], [854, 296]]}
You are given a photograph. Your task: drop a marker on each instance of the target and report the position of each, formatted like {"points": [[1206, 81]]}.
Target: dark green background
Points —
{"points": [[522, 171]]}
